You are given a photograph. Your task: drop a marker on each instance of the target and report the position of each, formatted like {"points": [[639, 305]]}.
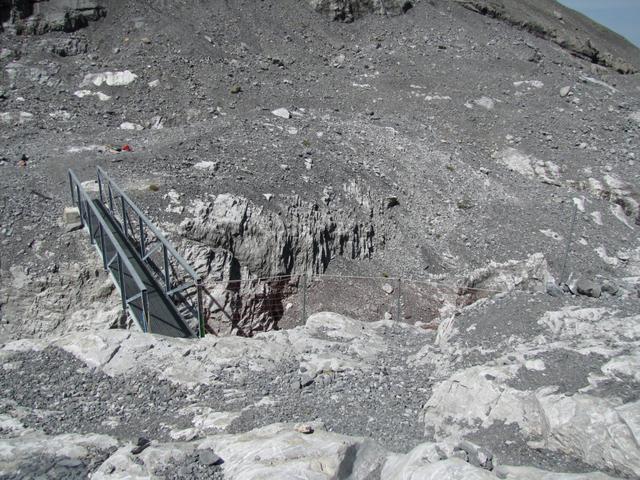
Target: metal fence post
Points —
{"points": [[110, 198], [146, 317], [143, 246], [80, 205], [398, 306], [73, 200], [304, 297], [569, 242], [102, 247], [123, 288], [201, 325], [90, 224], [101, 192], [167, 273], [124, 217]]}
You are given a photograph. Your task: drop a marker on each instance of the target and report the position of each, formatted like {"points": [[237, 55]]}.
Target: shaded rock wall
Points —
{"points": [[38, 17], [348, 10]]}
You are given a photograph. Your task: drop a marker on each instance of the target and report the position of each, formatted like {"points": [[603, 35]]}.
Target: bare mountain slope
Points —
{"points": [[427, 143], [493, 170], [567, 28]]}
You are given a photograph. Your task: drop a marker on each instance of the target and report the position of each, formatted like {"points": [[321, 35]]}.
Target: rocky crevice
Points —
{"points": [[252, 258]]}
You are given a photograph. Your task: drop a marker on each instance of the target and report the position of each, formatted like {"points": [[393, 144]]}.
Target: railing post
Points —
{"points": [[201, 325], [79, 205], [90, 222], [100, 187], [398, 306], [124, 216], [167, 273], [73, 200], [146, 317], [143, 246], [110, 197], [123, 287], [104, 253]]}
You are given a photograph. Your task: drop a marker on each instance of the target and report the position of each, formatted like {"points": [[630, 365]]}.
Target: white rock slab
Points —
{"points": [[103, 97], [112, 79], [130, 126], [282, 113]]}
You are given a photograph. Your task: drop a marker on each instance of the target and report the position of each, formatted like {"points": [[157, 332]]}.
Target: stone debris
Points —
{"points": [[485, 102], [130, 126], [588, 288], [17, 118], [282, 113], [71, 215], [529, 84], [111, 79], [206, 165], [304, 429], [103, 97], [208, 457], [141, 445]]}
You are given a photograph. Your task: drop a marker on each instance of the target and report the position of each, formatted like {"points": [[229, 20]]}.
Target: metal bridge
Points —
{"points": [[157, 286]]}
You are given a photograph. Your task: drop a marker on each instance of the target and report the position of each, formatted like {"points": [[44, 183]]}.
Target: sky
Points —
{"points": [[621, 16]]}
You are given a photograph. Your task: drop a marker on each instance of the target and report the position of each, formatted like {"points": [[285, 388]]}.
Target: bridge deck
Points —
{"points": [[164, 318]]}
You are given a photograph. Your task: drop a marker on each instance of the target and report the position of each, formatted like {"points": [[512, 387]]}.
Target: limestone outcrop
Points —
{"points": [[348, 10], [38, 17], [240, 244]]}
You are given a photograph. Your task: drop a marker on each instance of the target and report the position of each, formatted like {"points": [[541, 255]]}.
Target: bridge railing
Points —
{"points": [[114, 258], [179, 281]]}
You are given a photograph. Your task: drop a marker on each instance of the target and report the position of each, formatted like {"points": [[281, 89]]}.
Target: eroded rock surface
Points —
{"points": [[335, 398], [241, 243], [39, 17], [348, 10]]}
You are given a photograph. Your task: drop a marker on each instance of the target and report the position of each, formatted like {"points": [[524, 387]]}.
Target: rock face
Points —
{"points": [[242, 243], [304, 237], [335, 398], [348, 10], [567, 28], [38, 17]]}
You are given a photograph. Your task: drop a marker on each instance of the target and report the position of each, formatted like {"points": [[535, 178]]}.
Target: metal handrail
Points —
{"points": [[149, 224], [167, 249], [80, 198]]}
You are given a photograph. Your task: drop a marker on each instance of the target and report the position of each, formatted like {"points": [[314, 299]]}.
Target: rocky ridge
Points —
{"points": [[563, 26]]}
